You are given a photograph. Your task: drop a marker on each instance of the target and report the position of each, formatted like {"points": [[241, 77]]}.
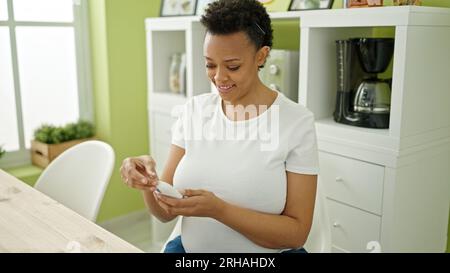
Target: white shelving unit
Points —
{"points": [[391, 185]]}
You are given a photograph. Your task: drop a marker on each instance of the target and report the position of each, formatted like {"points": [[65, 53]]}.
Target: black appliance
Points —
{"points": [[362, 98]]}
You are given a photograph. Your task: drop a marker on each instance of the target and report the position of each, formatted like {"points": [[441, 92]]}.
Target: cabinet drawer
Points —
{"points": [[351, 181], [335, 249], [162, 125], [351, 228]]}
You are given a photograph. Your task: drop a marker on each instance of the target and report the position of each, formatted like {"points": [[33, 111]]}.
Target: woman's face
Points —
{"points": [[232, 64]]}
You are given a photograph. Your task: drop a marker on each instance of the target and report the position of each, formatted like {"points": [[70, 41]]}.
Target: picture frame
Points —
{"points": [[201, 6], [357, 3], [310, 4], [276, 5], [177, 8]]}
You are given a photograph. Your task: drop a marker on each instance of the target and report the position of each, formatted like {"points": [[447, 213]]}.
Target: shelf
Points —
{"points": [[167, 36], [165, 101], [329, 129], [371, 145], [169, 23], [416, 94], [318, 82], [380, 16]]}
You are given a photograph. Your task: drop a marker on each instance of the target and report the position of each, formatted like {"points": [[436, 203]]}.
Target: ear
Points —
{"points": [[262, 55]]}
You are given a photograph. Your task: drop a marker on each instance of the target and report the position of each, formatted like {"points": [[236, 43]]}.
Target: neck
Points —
{"points": [[259, 95]]}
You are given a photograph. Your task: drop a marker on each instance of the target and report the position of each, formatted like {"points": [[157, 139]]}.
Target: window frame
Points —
{"points": [[83, 62]]}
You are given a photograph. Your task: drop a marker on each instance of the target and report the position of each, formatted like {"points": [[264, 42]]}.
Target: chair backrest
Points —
{"points": [[319, 238], [79, 176]]}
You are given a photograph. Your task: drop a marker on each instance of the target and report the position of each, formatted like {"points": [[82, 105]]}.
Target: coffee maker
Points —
{"points": [[362, 98]]}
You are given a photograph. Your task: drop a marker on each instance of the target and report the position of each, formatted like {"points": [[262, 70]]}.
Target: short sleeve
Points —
{"points": [[303, 153], [178, 131]]}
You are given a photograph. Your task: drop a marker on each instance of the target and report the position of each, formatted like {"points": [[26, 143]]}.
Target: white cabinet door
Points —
{"points": [[351, 228], [160, 137], [351, 181], [162, 126]]}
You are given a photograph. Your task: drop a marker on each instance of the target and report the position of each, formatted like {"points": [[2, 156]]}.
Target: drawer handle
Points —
{"points": [[339, 179], [336, 224]]}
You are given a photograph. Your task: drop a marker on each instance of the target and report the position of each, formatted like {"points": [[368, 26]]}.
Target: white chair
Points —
{"points": [[319, 238], [79, 176]]}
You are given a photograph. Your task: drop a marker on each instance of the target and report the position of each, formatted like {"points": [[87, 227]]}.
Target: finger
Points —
{"points": [[191, 192], [140, 167], [148, 164], [185, 211], [136, 176], [149, 161], [151, 171], [181, 211], [165, 199], [123, 172], [178, 203], [163, 205]]}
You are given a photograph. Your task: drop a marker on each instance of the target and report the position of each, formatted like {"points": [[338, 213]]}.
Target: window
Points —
{"points": [[43, 70]]}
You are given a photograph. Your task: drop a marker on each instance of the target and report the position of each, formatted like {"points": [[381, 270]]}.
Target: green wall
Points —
{"points": [[120, 89]]}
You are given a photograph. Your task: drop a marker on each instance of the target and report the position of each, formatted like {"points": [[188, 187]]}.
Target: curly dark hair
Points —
{"points": [[231, 16]]}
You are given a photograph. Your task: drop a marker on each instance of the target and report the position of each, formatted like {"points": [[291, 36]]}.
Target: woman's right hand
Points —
{"points": [[139, 173]]}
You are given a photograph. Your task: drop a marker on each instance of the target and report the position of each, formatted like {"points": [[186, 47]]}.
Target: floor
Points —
{"points": [[135, 228]]}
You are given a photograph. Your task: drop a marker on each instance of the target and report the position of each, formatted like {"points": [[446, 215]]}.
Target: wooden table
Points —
{"points": [[33, 222]]}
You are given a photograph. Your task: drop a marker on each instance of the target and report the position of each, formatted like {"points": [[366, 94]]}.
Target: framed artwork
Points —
{"points": [[276, 5], [374, 3], [177, 7], [357, 3], [310, 4], [202, 5]]}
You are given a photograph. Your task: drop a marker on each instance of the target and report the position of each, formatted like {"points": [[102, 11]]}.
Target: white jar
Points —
{"points": [[174, 73]]}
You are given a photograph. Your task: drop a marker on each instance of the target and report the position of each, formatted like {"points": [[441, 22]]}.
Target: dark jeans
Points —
{"points": [[176, 246]]}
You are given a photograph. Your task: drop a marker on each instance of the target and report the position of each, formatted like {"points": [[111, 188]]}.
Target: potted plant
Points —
{"points": [[50, 141], [2, 151]]}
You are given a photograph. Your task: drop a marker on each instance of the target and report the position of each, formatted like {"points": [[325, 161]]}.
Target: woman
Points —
{"points": [[247, 188]]}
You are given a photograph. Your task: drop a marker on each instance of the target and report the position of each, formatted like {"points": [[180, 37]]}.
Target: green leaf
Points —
{"points": [[51, 134], [2, 151]]}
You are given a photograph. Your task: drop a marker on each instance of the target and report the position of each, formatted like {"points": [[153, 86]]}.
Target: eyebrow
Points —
{"points": [[228, 60]]}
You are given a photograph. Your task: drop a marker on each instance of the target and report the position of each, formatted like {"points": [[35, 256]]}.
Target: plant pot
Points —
{"points": [[42, 153]]}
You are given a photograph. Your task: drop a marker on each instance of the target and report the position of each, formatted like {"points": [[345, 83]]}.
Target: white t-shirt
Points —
{"points": [[242, 162]]}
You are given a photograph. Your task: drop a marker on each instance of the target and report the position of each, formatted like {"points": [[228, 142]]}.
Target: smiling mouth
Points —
{"points": [[225, 88]]}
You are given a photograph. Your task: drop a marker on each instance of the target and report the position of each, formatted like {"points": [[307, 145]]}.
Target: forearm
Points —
{"points": [[154, 208], [175, 155], [267, 230]]}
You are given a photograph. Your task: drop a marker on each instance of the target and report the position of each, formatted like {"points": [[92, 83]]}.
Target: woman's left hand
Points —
{"points": [[200, 203]]}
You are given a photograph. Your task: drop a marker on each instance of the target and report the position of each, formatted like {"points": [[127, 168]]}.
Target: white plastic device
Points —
{"points": [[167, 189]]}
